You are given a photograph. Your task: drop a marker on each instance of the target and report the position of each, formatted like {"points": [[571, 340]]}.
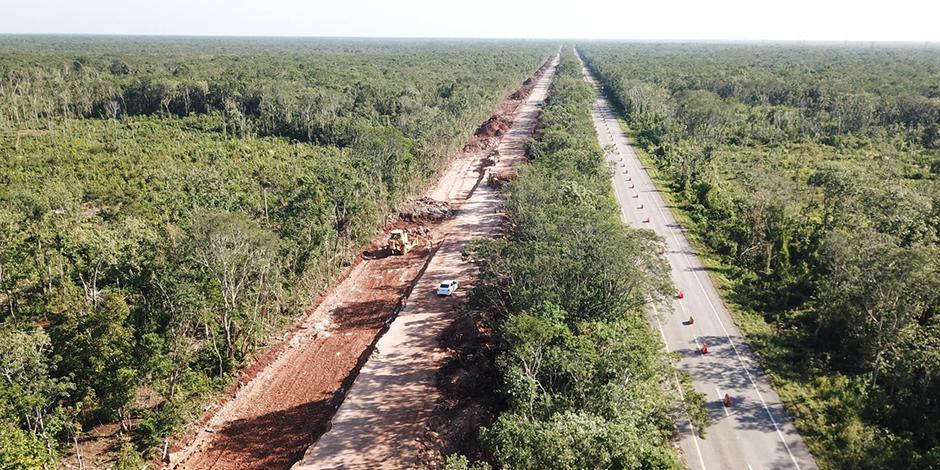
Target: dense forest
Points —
{"points": [[587, 382], [168, 205], [811, 176]]}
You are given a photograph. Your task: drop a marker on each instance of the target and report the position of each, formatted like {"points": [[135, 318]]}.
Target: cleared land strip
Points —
{"points": [[755, 432], [273, 418], [387, 408]]}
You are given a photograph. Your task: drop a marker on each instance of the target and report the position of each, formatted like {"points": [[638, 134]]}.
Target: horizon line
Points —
{"points": [[507, 38]]}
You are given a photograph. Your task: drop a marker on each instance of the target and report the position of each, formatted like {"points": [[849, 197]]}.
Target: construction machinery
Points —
{"points": [[399, 242]]}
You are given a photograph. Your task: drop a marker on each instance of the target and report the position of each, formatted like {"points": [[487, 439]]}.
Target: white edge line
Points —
{"points": [[698, 449]]}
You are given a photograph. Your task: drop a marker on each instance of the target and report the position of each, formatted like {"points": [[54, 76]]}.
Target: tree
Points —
{"points": [[875, 296], [240, 256], [28, 396], [705, 115], [21, 449], [531, 342], [575, 440], [95, 342], [13, 268]]}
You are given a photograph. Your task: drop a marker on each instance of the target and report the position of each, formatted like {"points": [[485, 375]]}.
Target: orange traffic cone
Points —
{"points": [[704, 348]]}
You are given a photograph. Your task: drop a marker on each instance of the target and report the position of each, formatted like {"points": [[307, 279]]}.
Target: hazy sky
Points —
{"points": [[868, 20]]}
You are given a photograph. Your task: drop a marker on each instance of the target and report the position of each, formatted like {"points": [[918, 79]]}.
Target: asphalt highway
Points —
{"points": [[755, 431]]}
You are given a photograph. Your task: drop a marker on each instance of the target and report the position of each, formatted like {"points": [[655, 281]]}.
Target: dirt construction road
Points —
{"points": [[384, 415], [755, 432], [273, 418], [289, 396]]}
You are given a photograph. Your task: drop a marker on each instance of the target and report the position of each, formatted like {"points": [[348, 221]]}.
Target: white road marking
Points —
{"points": [[691, 328], [662, 333]]}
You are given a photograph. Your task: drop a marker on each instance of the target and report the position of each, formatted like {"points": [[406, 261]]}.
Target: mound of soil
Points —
{"points": [[480, 143], [426, 209], [527, 85], [497, 180], [495, 126]]}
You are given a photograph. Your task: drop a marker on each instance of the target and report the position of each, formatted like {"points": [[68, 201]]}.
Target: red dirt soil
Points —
{"points": [[285, 400], [495, 126], [272, 420]]}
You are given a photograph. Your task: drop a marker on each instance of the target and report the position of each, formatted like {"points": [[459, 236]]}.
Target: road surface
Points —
{"points": [[755, 432], [382, 420]]}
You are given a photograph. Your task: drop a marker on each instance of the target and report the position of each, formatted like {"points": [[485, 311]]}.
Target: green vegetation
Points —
{"points": [[587, 382], [811, 174], [167, 205]]}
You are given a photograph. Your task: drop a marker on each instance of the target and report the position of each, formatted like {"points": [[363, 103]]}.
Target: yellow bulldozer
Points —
{"points": [[399, 242]]}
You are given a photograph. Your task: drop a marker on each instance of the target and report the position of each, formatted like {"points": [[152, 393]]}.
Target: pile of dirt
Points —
{"points": [[467, 383], [496, 180], [426, 209], [495, 126], [527, 86], [490, 159], [480, 143], [488, 134]]}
